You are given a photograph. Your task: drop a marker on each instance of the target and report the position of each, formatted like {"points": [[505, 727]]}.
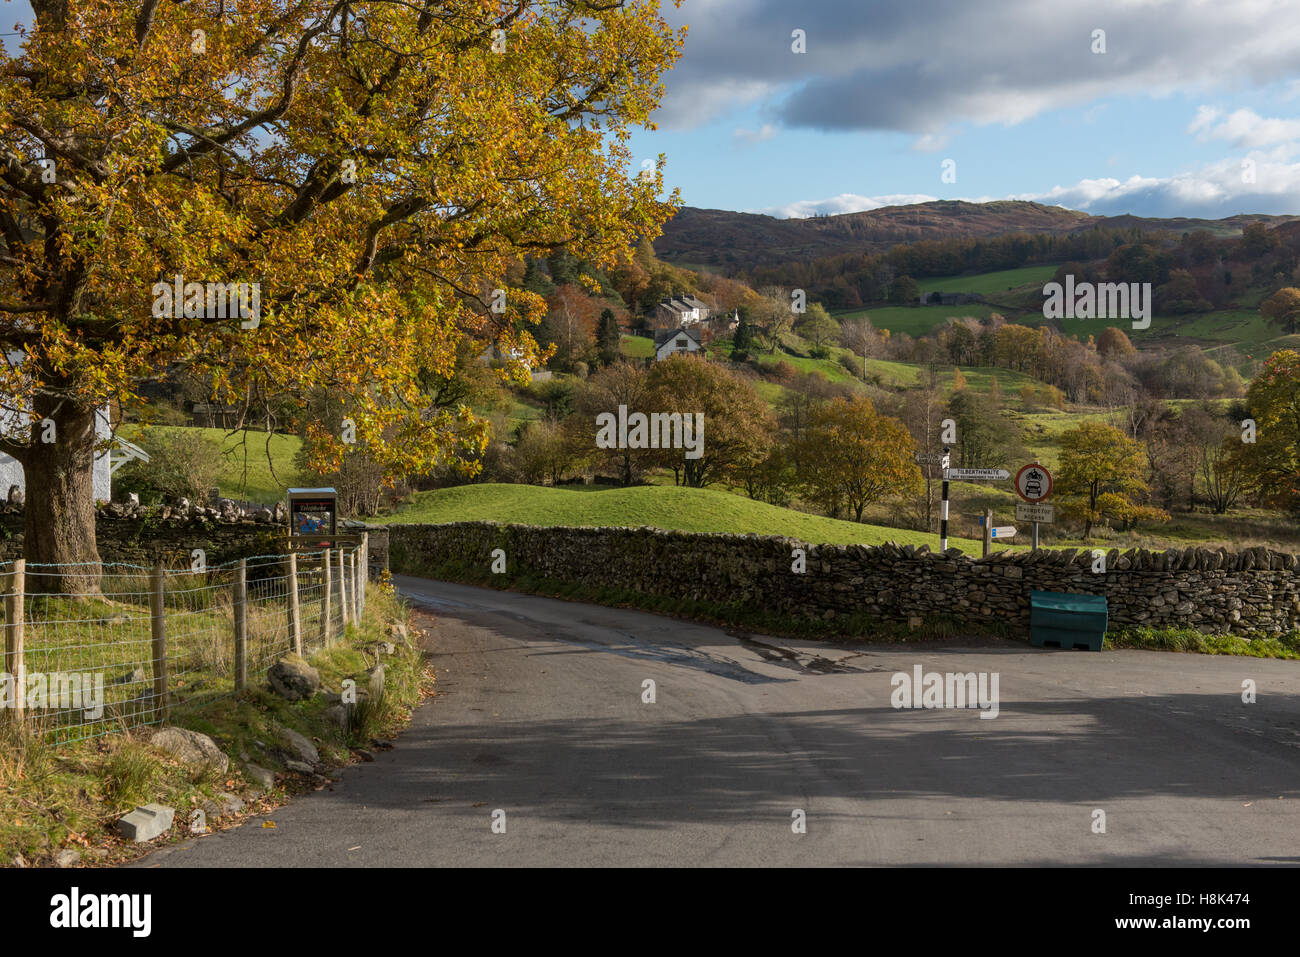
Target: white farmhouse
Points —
{"points": [[680, 311], [671, 342]]}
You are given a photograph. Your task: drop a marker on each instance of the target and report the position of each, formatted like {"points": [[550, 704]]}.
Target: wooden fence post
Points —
{"points": [[241, 626], [295, 613], [356, 587], [345, 588], [343, 594], [158, 631], [326, 588], [15, 665], [352, 585], [365, 568]]}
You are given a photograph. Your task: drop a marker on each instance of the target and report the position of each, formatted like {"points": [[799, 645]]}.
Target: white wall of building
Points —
{"points": [[11, 472]]}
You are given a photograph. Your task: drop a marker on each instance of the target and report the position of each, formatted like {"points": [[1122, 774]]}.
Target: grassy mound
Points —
{"points": [[661, 506]]}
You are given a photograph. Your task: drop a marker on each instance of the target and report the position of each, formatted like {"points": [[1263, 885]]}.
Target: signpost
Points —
{"points": [[940, 459], [967, 475], [1034, 485], [992, 531], [932, 458]]}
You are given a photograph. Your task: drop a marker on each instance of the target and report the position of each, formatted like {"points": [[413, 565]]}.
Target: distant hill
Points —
{"points": [[730, 241]]}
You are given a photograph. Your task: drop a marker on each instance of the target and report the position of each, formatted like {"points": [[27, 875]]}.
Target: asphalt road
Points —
{"points": [[539, 714]]}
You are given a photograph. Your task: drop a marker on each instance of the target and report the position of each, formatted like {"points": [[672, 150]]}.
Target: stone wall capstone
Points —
{"points": [[1212, 590]]}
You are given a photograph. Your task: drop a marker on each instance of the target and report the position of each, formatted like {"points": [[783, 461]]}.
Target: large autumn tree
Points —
{"points": [[1101, 476], [1273, 460], [738, 425], [852, 455], [623, 383], [1282, 309], [374, 165]]}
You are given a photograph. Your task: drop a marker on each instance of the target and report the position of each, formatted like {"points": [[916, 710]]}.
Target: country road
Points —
{"points": [[539, 714]]}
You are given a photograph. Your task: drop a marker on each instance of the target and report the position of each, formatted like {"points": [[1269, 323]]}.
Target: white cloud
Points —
{"points": [[1204, 119], [1242, 128], [1219, 189], [707, 102], [843, 203], [930, 142], [1213, 191], [750, 137], [1091, 115]]}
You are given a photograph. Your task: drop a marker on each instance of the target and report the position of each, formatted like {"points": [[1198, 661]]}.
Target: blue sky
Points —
{"points": [[1159, 124]]}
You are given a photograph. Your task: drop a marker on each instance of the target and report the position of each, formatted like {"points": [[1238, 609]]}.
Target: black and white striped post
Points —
{"points": [[943, 504]]}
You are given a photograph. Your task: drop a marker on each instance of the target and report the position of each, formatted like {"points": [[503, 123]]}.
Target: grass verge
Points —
{"points": [[1257, 645], [69, 797]]}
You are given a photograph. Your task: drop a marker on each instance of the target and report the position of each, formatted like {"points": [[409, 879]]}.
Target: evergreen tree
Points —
{"points": [[742, 340], [608, 338], [564, 267], [536, 281]]}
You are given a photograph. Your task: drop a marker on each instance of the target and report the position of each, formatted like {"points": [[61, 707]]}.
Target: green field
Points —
{"points": [[506, 419], [660, 506], [894, 375], [830, 367], [915, 320], [257, 466], [1245, 326], [770, 392], [989, 283], [980, 380], [637, 347]]}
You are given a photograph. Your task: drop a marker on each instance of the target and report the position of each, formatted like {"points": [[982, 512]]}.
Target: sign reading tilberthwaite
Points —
{"points": [[976, 475]]}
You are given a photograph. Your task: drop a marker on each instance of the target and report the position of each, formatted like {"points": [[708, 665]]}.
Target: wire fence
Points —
{"points": [[94, 649]]}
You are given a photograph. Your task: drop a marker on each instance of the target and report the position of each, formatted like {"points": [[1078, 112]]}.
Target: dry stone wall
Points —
{"points": [[1213, 590], [137, 540]]}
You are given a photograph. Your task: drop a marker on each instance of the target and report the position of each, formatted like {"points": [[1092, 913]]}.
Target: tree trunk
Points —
{"points": [[59, 520]]}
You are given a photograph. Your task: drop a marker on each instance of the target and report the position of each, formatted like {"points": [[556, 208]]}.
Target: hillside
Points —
{"points": [[660, 506], [255, 466], [733, 241], [1018, 295]]}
